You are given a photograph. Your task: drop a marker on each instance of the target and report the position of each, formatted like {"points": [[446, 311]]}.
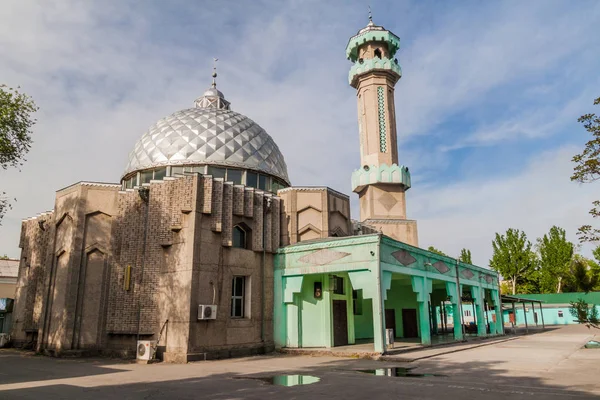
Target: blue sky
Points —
{"points": [[486, 108]]}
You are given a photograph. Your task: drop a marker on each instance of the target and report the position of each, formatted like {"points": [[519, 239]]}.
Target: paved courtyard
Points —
{"points": [[550, 364]]}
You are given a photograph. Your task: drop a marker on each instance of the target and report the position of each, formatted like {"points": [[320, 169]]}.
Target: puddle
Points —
{"points": [[397, 372], [285, 380]]}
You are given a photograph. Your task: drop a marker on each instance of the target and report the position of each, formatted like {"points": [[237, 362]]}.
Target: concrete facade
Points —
{"points": [[9, 271], [313, 213], [107, 267]]}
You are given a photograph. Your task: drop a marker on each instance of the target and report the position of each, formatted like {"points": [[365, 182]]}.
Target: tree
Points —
{"points": [[583, 276], [584, 314], [512, 258], [16, 121], [436, 251], [465, 256], [555, 257], [587, 169], [505, 287]]}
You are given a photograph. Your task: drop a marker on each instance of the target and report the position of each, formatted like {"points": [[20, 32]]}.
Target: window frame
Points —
{"points": [[234, 285], [245, 237]]}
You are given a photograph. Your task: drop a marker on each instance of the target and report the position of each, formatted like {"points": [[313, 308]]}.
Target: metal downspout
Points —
{"points": [[267, 209], [144, 194], [380, 294]]}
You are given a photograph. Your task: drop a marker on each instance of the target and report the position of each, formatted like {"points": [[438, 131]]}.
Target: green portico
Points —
{"points": [[340, 291]]}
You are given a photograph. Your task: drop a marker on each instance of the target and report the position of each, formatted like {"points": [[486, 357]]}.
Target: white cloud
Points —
{"points": [[103, 72], [530, 124], [468, 214], [457, 64]]}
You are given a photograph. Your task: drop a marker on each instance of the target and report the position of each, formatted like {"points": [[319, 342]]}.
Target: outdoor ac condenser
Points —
{"points": [[145, 349], [207, 311]]}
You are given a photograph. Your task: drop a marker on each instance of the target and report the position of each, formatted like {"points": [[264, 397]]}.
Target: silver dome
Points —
{"points": [[208, 135]]}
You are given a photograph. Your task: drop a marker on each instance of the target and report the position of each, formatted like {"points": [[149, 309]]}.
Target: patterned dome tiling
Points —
{"points": [[208, 136]]}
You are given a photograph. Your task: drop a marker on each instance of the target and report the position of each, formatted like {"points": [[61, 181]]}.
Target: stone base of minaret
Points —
{"points": [[402, 230], [383, 207], [382, 196]]}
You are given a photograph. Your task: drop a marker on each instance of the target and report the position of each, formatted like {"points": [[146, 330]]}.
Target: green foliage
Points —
{"points": [[587, 169], [465, 256], [505, 287], [513, 257], [584, 314], [583, 276], [596, 253], [16, 121], [436, 251], [556, 254]]}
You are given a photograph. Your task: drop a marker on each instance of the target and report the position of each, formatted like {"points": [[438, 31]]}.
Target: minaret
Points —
{"points": [[380, 182]]}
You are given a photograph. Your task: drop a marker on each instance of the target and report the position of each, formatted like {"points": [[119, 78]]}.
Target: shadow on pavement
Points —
{"points": [[24, 366], [338, 379]]}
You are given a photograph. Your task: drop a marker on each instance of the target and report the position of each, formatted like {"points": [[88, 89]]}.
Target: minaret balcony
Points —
{"points": [[392, 41], [369, 175], [373, 64]]}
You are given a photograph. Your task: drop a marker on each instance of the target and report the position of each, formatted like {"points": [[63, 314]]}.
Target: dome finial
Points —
{"points": [[214, 74], [370, 16]]}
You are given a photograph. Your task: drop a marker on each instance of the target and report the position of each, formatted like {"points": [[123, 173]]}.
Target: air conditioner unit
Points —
{"points": [[207, 311], [145, 349]]}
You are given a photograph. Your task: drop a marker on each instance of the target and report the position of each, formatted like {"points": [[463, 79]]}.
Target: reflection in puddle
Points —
{"points": [[286, 380], [396, 372]]}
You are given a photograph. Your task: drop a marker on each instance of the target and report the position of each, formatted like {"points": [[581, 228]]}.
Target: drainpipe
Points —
{"points": [[267, 210], [262, 288], [144, 194], [380, 294], [459, 300]]}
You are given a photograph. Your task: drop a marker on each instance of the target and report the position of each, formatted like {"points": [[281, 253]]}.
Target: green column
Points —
{"points": [[422, 287], [384, 283], [374, 286], [279, 308], [477, 294], [291, 325], [452, 291], [498, 311]]}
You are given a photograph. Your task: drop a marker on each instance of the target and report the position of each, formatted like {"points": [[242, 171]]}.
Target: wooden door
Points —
{"points": [[409, 323], [390, 320], [340, 323]]}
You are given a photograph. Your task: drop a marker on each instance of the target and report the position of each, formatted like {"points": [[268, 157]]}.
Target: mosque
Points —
{"points": [[206, 249]]}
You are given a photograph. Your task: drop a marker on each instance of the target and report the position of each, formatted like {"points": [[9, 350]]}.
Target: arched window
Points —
{"points": [[378, 53], [239, 237]]}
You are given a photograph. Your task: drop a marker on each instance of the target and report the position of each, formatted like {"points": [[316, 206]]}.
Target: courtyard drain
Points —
{"points": [[285, 380], [397, 372]]}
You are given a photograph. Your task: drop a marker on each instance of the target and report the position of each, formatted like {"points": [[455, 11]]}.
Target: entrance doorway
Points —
{"points": [[409, 322], [340, 323], [390, 320]]}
